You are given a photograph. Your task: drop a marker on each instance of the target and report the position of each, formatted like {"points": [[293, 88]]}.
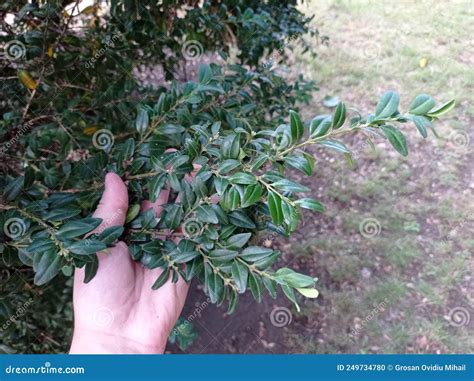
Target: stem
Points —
{"points": [[320, 138], [217, 271]]}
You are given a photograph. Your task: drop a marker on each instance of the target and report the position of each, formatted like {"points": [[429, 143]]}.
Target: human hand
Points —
{"points": [[117, 311]]}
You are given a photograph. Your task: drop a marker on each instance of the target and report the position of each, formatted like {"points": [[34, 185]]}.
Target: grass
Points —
{"points": [[410, 47]]}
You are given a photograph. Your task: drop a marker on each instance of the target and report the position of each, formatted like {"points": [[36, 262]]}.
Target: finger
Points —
{"points": [[112, 208], [113, 205]]}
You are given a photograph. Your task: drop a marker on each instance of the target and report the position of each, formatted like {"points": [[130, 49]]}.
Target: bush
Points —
{"points": [[82, 98]]}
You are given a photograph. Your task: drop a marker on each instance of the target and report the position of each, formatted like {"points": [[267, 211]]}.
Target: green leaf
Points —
{"points": [[442, 109], [300, 163], [240, 219], [231, 199], [228, 165], [77, 228], [243, 178], [155, 185], [289, 293], [223, 254], [183, 256], [309, 203], [335, 145], [162, 279], [388, 105], [290, 186], [13, 189], [255, 285], [293, 279], [320, 126], [421, 104], [396, 138], [296, 126], [308, 292], [230, 147], [255, 253], [86, 247], [61, 214], [252, 194], [205, 73], [40, 245], [270, 285], [47, 267], [174, 213], [132, 212], [238, 240], [421, 124], [206, 214], [111, 234], [170, 129], [233, 299], [90, 269], [274, 205], [339, 116], [142, 121]]}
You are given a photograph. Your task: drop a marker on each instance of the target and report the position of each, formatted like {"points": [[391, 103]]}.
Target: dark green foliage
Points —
{"points": [[76, 109]]}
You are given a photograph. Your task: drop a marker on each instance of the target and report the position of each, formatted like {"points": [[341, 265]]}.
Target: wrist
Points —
{"points": [[93, 342]]}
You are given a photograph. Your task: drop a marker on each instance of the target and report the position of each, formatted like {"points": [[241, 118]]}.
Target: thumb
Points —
{"points": [[113, 205]]}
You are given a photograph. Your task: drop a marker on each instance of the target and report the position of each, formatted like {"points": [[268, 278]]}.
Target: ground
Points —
{"points": [[394, 251]]}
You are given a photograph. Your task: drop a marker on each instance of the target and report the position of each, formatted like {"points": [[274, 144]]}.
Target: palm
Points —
{"points": [[119, 300]]}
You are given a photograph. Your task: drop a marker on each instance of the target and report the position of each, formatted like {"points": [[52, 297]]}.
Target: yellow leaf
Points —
{"points": [[308, 292], [50, 50], [26, 79], [423, 62], [89, 10], [90, 130]]}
